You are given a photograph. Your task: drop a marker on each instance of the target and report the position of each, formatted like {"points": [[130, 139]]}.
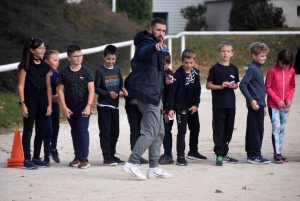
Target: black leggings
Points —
{"points": [[36, 103]]}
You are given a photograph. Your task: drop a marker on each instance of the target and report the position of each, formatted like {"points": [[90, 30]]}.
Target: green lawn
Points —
{"points": [[10, 111], [206, 48]]}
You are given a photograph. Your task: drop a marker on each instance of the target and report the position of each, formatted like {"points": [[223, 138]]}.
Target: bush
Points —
{"points": [[251, 15], [195, 19], [139, 11]]}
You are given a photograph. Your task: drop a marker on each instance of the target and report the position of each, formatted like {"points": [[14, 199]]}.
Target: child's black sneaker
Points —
{"points": [[29, 165], [195, 156], [277, 159], [285, 159], [219, 161], [165, 159], [40, 163], [75, 162], [47, 160], [181, 161], [119, 161], [84, 163], [110, 161], [143, 161], [229, 159], [54, 155]]}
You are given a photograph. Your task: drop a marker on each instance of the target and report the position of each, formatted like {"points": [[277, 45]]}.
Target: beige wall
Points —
{"points": [[217, 15], [290, 10]]}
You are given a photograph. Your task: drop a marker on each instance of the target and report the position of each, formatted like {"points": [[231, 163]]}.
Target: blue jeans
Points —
{"points": [[79, 131], [51, 130], [168, 138]]}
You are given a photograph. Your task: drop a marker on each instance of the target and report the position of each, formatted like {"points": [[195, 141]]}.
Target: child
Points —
{"points": [[76, 104], [252, 87], [108, 86], [280, 88], [222, 80], [134, 116], [184, 98], [167, 157], [52, 123], [297, 62], [35, 99]]}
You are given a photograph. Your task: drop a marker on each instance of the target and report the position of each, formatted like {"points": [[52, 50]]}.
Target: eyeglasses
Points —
{"points": [[41, 48], [77, 56]]}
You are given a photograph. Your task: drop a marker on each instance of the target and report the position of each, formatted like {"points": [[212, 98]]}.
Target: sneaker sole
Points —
{"points": [[159, 176], [181, 164], [230, 162], [219, 164], [84, 167], [133, 175], [111, 164], [29, 168], [258, 163], [195, 158], [278, 162]]}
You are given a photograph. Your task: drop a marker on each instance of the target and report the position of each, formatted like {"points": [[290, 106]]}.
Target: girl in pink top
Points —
{"points": [[280, 88]]}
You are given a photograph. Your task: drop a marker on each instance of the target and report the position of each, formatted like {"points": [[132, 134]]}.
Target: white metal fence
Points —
{"points": [[14, 66]]}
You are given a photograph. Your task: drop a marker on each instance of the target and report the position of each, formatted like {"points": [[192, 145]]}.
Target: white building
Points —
{"points": [[170, 11], [218, 11]]}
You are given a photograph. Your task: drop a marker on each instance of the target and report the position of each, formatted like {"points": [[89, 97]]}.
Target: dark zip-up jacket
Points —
{"points": [[147, 77], [176, 97], [252, 85]]}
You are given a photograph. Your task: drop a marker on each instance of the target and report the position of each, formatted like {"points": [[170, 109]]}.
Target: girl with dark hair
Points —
{"points": [[280, 88], [35, 98]]}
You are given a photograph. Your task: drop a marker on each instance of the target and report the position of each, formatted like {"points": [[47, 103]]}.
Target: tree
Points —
{"points": [[195, 19], [255, 15], [138, 10]]}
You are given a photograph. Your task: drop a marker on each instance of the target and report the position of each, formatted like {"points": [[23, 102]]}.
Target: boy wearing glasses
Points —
{"points": [[76, 93], [108, 86]]}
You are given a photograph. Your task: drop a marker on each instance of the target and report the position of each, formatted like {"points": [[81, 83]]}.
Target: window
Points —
{"points": [[298, 10]]}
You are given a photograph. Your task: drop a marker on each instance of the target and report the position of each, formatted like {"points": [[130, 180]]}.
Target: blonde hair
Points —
{"points": [[256, 48], [48, 53], [225, 43]]}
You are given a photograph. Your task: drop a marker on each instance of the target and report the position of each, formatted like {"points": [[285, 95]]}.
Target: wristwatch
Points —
{"points": [[21, 102]]}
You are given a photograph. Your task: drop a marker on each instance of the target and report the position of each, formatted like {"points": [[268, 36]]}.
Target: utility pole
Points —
{"points": [[113, 6]]}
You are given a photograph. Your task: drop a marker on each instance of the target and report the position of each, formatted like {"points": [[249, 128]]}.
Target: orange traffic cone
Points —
{"points": [[17, 157]]}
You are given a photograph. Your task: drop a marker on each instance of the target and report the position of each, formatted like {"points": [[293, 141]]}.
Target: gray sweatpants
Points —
{"points": [[152, 134]]}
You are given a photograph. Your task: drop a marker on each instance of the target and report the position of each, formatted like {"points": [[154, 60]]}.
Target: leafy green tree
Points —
{"points": [[255, 15], [138, 10], [195, 19]]}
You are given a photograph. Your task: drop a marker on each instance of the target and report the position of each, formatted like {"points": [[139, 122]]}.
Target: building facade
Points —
{"points": [[170, 11], [218, 12]]}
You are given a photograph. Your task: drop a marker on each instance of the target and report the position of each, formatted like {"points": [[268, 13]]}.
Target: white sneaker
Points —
{"points": [[159, 172], [133, 170]]}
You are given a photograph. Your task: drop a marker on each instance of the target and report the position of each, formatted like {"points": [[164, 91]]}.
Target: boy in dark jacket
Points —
{"points": [[184, 98], [253, 88]]}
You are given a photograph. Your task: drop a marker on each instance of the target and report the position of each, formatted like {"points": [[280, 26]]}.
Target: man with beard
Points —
{"points": [[146, 85]]}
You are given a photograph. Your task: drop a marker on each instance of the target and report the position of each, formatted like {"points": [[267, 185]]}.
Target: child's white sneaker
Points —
{"points": [[133, 170], [158, 172]]}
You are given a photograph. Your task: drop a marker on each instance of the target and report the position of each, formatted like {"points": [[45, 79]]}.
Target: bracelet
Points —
{"points": [[90, 104]]}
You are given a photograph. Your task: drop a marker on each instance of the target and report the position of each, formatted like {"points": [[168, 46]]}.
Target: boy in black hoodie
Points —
{"points": [[184, 98]]}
